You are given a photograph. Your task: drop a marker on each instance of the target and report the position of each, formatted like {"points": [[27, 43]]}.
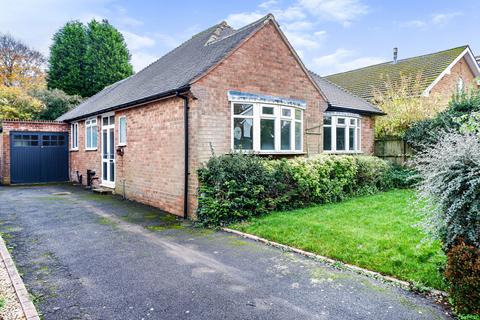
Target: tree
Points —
{"points": [[15, 103], [56, 102], [86, 59], [67, 59], [403, 106], [20, 66], [107, 57]]}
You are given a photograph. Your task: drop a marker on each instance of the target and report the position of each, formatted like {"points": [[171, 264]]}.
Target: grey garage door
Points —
{"points": [[38, 157]]}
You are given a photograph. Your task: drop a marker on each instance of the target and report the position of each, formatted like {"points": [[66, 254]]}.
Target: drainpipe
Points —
{"points": [[186, 156]]}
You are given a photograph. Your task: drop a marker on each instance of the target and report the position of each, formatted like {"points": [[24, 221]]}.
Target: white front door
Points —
{"points": [[108, 151]]}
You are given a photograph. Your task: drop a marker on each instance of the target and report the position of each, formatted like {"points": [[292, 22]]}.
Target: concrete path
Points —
{"points": [[85, 256]]}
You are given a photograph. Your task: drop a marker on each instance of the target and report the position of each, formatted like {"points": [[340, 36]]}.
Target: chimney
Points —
{"points": [[395, 55]]}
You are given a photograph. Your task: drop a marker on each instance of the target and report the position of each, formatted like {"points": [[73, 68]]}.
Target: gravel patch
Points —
{"points": [[11, 309]]}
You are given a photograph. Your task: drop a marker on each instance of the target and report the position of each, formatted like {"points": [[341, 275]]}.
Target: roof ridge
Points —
{"points": [[398, 61], [264, 18]]}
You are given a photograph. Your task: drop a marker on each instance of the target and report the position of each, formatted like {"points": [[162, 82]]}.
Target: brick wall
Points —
{"points": [[448, 84], [81, 160], [14, 125], [368, 135]]}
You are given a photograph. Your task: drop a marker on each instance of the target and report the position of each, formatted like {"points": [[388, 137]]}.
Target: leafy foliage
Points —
{"points": [[67, 59], [450, 188], [16, 104], [235, 187], [20, 66], [56, 102], [463, 275], [427, 132], [403, 108], [86, 59]]}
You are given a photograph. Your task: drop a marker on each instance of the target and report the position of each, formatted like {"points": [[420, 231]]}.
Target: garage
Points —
{"points": [[37, 157]]}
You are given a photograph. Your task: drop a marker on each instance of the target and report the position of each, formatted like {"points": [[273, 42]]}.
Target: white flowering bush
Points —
{"points": [[450, 188]]}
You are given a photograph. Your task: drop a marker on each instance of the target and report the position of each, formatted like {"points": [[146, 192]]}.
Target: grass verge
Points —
{"points": [[376, 232]]}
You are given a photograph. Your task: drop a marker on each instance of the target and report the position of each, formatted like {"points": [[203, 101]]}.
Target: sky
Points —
{"points": [[329, 35]]}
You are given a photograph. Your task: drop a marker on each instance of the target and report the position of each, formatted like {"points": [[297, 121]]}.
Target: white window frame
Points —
{"points": [[333, 127], [278, 117], [122, 143], [74, 136], [91, 123]]}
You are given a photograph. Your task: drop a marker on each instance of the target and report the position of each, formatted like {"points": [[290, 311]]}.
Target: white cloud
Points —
{"points": [[298, 25], [444, 18], [343, 11], [414, 24], [135, 41], [306, 40], [343, 60], [289, 14], [142, 59], [268, 4], [237, 20]]}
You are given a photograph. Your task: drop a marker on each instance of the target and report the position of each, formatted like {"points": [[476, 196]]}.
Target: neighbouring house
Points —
{"points": [[443, 72], [222, 90]]}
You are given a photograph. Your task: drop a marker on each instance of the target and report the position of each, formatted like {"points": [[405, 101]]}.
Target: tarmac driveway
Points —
{"points": [[86, 256]]}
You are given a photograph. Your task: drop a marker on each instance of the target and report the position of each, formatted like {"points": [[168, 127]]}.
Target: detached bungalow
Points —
{"points": [[222, 90]]}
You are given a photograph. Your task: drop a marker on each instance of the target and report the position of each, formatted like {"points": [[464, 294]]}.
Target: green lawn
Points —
{"points": [[375, 232]]}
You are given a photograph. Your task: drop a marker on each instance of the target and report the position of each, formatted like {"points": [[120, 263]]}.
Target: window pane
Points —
{"points": [[351, 139], [327, 138], [267, 110], [89, 137], [353, 122], [104, 145], [243, 109], [94, 136], [327, 120], [267, 134], [341, 120], [286, 112], [112, 143], [340, 138], [285, 138], [112, 119], [298, 114], [123, 130], [243, 134], [104, 171], [298, 136], [105, 121]]}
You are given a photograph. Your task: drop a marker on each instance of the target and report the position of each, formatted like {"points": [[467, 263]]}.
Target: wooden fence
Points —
{"points": [[393, 150]]}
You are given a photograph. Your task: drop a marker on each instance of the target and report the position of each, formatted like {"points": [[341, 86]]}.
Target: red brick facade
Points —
{"points": [[448, 83], [13, 125]]}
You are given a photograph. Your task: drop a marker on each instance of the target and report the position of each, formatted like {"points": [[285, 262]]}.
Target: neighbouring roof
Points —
{"points": [[339, 98], [363, 81], [172, 72]]}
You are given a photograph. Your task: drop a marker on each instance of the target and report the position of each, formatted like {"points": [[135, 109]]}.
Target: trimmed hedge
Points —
{"points": [[235, 187]]}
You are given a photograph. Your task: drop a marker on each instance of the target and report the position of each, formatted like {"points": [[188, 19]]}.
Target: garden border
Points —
{"points": [[437, 294], [26, 304]]}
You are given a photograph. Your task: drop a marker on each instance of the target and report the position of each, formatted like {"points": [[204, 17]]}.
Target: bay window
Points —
{"points": [[267, 127], [91, 134], [341, 133]]}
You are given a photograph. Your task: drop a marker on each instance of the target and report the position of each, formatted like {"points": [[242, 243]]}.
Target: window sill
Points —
{"points": [[72, 150], [121, 145], [91, 149], [274, 153], [342, 152]]}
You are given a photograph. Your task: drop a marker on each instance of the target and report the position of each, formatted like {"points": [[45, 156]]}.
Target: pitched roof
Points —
{"points": [[340, 98], [172, 72], [363, 81]]}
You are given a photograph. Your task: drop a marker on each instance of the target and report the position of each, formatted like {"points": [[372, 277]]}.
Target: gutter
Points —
{"points": [[135, 103], [364, 112], [186, 174]]}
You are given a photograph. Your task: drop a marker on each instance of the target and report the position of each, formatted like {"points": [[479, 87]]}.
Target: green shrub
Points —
{"points": [[400, 177], [235, 187], [463, 275], [427, 132]]}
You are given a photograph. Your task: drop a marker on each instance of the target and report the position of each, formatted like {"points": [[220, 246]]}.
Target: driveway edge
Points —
{"points": [[437, 294], [20, 290]]}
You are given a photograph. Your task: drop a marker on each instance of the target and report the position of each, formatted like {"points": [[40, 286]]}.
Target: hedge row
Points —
{"points": [[235, 187]]}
